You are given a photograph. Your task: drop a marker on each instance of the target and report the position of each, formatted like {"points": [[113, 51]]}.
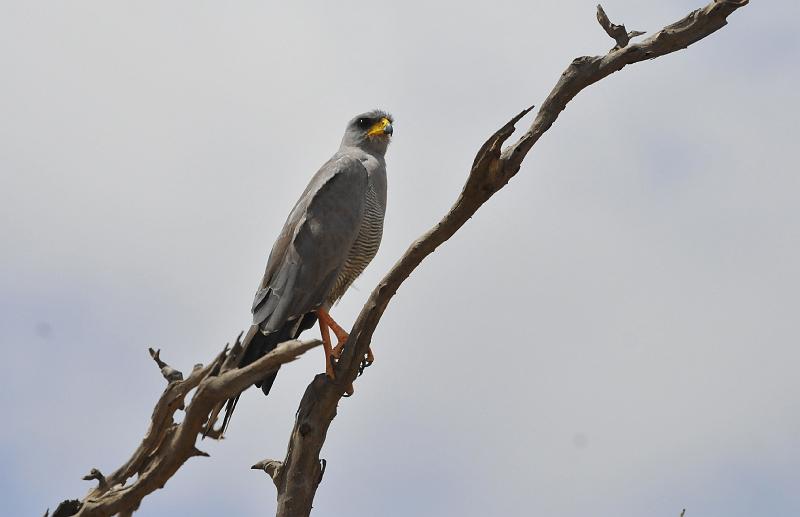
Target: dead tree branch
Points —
{"points": [[298, 476], [618, 32], [167, 445]]}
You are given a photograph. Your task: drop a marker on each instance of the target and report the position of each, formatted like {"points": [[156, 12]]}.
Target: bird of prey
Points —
{"points": [[330, 236]]}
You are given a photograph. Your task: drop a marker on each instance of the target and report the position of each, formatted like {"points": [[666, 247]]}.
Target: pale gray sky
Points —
{"points": [[614, 334]]}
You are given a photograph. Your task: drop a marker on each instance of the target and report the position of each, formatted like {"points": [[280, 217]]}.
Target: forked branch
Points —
{"points": [[167, 444]]}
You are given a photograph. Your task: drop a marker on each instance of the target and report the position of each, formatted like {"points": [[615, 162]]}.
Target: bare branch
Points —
{"points": [[101, 479], [587, 70], [271, 467], [617, 32], [167, 445], [300, 473], [169, 373], [65, 508]]}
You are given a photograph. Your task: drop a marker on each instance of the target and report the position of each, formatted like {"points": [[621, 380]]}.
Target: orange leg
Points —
{"points": [[326, 323], [341, 334], [338, 349], [326, 344]]}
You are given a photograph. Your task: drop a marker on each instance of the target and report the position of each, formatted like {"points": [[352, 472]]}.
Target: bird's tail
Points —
{"points": [[260, 344]]}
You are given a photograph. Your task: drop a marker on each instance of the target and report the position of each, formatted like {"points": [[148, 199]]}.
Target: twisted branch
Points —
{"points": [[167, 445]]}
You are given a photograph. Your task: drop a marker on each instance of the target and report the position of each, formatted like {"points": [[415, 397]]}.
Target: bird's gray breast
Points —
{"points": [[367, 241]]}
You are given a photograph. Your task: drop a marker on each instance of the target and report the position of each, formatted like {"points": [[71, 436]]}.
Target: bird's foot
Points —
{"points": [[339, 348], [326, 344], [332, 355], [341, 334], [341, 339]]}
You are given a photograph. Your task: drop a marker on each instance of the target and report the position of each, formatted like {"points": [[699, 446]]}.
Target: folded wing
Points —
{"points": [[313, 245]]}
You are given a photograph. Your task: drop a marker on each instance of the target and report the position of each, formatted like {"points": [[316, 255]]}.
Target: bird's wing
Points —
{"points": [[314, 243]]}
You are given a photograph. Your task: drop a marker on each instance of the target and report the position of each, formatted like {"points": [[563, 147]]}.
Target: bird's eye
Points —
{"points": [[364, 123]]}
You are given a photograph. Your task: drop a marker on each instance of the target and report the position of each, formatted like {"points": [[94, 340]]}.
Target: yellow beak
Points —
{"points": [[382, 127]]}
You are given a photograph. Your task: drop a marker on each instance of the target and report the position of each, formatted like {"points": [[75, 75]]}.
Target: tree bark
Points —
{"points": [[167, 445]]}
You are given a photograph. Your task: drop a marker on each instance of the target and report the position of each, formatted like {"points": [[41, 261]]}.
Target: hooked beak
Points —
{"points": [[382, 127]]}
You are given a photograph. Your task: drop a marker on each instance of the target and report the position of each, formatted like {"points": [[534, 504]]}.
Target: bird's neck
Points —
{"points": [[365, 154]]}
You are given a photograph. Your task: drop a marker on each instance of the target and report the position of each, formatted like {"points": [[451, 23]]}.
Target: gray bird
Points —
{"points": [[330, 236]]}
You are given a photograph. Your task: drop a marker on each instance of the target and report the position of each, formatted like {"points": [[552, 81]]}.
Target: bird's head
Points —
{"points": [[370, 131]]}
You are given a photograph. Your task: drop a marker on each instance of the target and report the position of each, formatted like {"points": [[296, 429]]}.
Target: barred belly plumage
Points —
{"points": [[364, 248]]}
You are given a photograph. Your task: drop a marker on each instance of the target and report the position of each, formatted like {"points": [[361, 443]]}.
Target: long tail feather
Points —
{"points": [[258, 346]]}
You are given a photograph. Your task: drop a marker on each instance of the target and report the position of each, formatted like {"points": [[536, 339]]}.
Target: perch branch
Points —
{"points": [[167, 445], [298, 476]]}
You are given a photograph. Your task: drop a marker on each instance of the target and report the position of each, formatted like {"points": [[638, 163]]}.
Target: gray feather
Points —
{"points": [[323, 226]]}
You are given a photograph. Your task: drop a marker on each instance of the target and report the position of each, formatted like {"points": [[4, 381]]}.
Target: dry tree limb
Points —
{"points": [[617, 32], [167, 445], [65, 508], [298, 476]]}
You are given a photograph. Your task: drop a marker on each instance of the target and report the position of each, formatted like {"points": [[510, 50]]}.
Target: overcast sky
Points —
{"points": [[613, 334]]}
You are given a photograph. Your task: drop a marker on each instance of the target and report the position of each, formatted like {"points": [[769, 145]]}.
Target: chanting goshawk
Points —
{"points": [[330, 236]]}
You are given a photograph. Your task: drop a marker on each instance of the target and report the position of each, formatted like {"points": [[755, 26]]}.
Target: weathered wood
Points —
{"points": [[167, 445], [618, 32]]}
